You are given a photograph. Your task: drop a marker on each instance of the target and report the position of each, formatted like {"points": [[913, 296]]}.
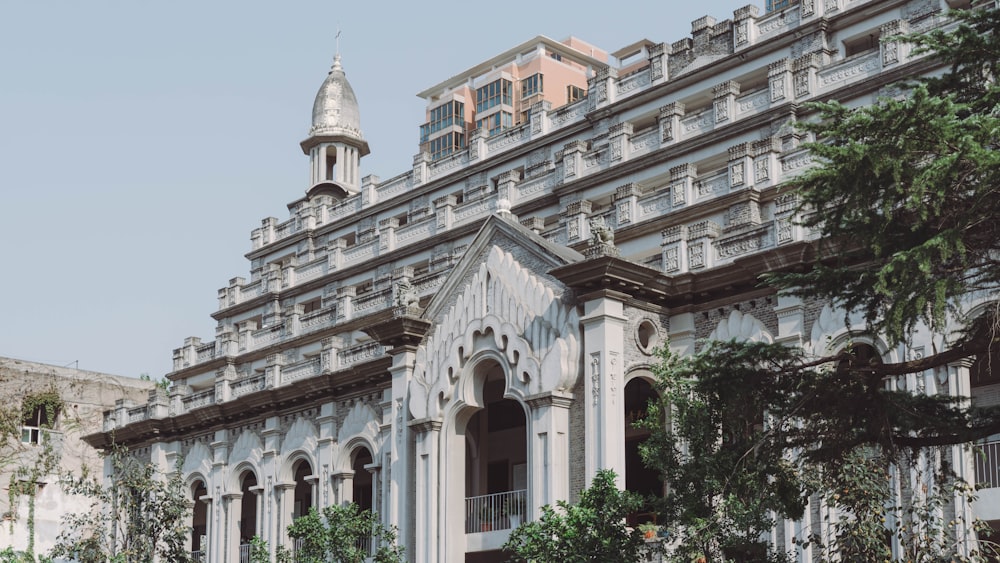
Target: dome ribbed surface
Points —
{"points": [[335, 111]]}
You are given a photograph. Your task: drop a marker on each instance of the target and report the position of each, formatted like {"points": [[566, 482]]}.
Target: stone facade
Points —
{"points": [[467, 335]]}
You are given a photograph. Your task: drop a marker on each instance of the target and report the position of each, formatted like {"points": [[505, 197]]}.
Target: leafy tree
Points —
{"points": [[138, 516], [593, 530], [906, 204], [344, 533], [906, 200]]}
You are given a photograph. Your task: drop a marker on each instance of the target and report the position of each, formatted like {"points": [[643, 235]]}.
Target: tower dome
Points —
{"points": [[335, 144], [335, 111]]}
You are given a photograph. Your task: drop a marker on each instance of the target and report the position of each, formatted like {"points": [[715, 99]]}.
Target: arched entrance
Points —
{"points": [[639, 478], [199, 521], [495, 461]]}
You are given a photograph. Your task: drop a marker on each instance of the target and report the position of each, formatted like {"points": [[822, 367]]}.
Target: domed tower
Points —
{"points": [[335, 144]]}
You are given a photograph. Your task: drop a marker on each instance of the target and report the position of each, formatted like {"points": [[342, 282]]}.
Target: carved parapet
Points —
{"points": [[682, 184], [699, 240], [658, 58], [669, 121], [739, 162], [893, 51], [779, 78], [625, 200], [724, 96], [674, 249]]}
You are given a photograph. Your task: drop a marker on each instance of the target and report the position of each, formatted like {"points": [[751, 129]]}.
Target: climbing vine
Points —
{"points": [[24, 480]]}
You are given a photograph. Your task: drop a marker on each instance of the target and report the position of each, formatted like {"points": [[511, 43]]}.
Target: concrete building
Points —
{"points": [[52, 447], [477, 332]]}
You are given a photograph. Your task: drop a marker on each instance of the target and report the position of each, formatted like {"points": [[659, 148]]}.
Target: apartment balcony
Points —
{"points": [[490, 518], [987, 462]]}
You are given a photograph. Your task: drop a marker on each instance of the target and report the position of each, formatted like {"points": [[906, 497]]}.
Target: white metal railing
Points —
{"points": [[244, 553], [987, 456], [497, 511], [198, 555]]}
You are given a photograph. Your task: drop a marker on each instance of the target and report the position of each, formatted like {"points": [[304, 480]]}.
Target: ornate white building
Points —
{"points": [[477, 332]]}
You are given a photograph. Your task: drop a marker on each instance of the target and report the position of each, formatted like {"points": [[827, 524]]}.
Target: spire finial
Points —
{"points": [[337, 37]]}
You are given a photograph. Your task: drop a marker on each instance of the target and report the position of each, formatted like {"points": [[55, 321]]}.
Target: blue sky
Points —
{"points": [[141, 142]]}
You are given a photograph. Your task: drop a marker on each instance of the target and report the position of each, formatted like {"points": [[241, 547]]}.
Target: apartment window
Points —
{"points": [[498, 92], [442, 117], [574, 93], [495, 123], [531, 85], [773, 5], [446, 145], [35, 422]]}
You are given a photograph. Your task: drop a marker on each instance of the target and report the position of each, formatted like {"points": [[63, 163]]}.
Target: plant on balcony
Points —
{"points": [[648, 530]]}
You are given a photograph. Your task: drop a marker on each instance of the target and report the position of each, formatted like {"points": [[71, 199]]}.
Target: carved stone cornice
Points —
{"points": [[608, 273], [259, 404], [397, 327]]}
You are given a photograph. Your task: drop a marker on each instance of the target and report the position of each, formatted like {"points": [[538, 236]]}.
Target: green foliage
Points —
{"points": [[140, 514], [756, 430], [591, 531], [259, 550], [906, 197], [8, 555], [343, 533], [724, 471], [25, 478]]}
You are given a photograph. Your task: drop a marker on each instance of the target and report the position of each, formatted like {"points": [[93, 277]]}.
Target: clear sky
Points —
{"points": [[142, 141]]}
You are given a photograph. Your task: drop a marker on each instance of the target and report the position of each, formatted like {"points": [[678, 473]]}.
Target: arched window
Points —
{"points": [[362, 479], [303, 489], [248, 512]]}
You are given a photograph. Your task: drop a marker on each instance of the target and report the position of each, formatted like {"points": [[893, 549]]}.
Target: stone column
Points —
{"points": [[387, 235], [604, 420], [343, 487], [284, 494], [233, 507], [400, 494], [539, 118], [548, 450], [428, 518], [325, 446]]}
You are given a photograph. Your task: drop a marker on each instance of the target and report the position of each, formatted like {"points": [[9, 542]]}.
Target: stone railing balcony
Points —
{"points": [[247, 385], [198, 400], [358, 354]]}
